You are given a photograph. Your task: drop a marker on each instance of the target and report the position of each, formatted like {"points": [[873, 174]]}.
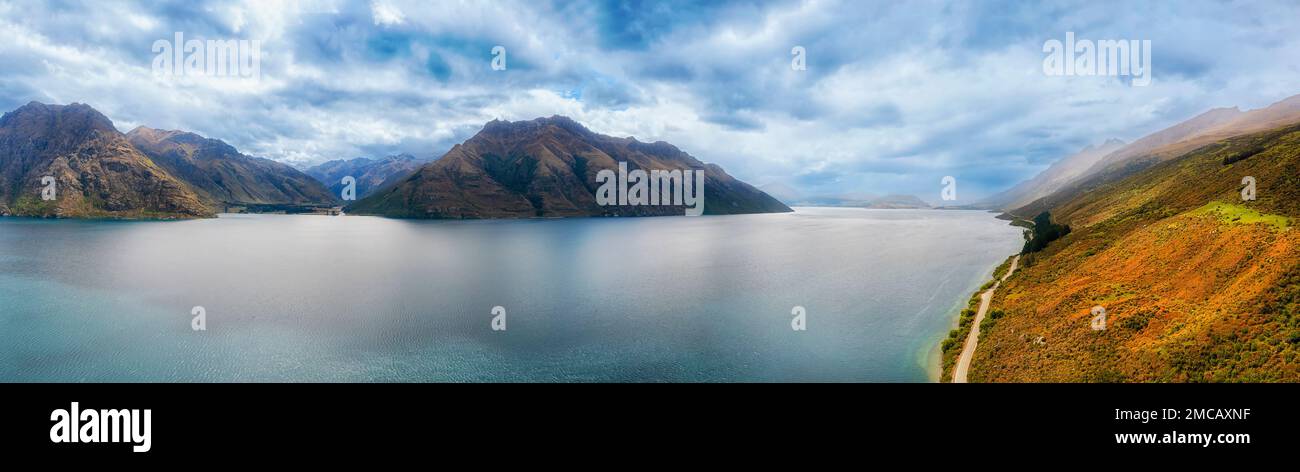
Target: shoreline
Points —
{"points": [[962, 366], [949, 346], [932, 357]]}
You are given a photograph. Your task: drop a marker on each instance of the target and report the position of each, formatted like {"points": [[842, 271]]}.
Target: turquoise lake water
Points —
{"points": [[319, 298]]}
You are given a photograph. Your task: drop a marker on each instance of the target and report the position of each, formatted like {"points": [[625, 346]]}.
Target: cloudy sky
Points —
{"points": [[895, 95]]}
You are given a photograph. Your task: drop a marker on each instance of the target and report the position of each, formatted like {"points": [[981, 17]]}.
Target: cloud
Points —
{"points": [[895, 95], [385, 13]]}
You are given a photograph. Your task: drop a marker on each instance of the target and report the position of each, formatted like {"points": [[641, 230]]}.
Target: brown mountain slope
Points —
{"points": [[98, 172], [1207, 128], [1059, 174], [547, 168], [223, 176], [1184, 132], [1197, 284]]}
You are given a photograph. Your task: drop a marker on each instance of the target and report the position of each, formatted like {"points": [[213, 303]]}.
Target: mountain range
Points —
{"points": [[96, 171], [791, 196], [1116, 157], [896, 202], [548, 167], [223, 176], [541, 168], [370, 174], [1060, 173]]}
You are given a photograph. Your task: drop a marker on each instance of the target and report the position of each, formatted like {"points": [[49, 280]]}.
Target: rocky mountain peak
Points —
{"points": [[37, 119]]}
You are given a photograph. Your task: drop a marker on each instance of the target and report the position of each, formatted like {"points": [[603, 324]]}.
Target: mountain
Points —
{"points": [[371, 174], [896, 202], [1057, 175], [785, 193], [1197, 284], [842, 200], [224, 177], [1183, 132], [865, 200], [790, 196], [98, 173], [548, 167], [1204, 129]]}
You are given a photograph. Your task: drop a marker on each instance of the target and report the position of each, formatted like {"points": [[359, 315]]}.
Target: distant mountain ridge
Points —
{"points": [[1059, 174], [1206, 128], [786, 194], [896, 202], [864, 200], [225, 177], [370, 174], [1203, 129], [547, 167]]}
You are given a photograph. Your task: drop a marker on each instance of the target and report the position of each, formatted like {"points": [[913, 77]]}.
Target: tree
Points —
{"points": [[1043, 233]]}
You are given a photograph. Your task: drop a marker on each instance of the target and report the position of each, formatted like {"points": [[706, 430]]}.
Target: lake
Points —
{"points": [[351, 298]]}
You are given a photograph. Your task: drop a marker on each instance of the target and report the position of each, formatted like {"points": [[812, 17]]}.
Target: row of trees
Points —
{"points": [[1044, 232]]}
